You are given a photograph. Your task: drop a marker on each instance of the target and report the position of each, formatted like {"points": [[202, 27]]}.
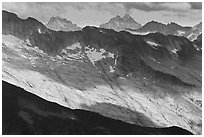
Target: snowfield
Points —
{"points": [[95, 55]]}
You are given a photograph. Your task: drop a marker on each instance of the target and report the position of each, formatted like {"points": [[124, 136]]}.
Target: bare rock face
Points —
{"points": [[156, 79], [121, 23], [198, 42], [61, 24], [193, 33]]}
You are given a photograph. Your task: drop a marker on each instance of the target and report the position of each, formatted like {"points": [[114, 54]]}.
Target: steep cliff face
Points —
{"points": [[154, 76], [194, 32]]}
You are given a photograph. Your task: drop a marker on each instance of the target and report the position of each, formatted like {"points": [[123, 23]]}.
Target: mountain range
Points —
{"points": [[127, 23], [151, 80]]}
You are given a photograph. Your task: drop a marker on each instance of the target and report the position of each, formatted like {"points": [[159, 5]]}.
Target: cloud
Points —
{"points": [[96, 13], [188, 18], [79, 13], [157, 6], [174, 6], [196, 5]]}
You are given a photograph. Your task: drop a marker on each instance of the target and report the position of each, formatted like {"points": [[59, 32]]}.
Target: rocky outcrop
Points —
{"points": [[198, 42], [121, 23], [194, 32], [61, 24]]}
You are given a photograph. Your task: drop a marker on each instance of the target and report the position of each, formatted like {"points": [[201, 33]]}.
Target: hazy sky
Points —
{"points": [[91, 13]]}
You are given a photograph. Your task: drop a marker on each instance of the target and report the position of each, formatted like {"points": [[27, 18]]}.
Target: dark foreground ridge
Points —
{"points": [[25, 113]]}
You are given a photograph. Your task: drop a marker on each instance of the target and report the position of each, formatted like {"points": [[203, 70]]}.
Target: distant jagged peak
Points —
{"points": [[127, 16], [116, 18], [119, 23], [58, 18], [58, 23], [173, 24]]}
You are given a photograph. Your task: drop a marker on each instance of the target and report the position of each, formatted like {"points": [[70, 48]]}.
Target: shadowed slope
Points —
{"points": [[29, 114]]}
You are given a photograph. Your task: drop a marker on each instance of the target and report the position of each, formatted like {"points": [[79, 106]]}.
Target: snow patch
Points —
{"points": [[122, 78], [95, 55], [128, 75], [152, 43], [196, 47], [116, 58], [27, 41], [180, 32], [39, 31], [140, 33], [111, 55], [174, 51], [32, 60], [74, 46], [38, 50], [23, 56], [70, 52], [153, 59], [190, 35], [52, 58], [102, 31], [111, 69], [59, 57]]}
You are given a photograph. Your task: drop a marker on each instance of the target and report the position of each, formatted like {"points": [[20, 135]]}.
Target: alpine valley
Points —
{"points": [[124, 79]]}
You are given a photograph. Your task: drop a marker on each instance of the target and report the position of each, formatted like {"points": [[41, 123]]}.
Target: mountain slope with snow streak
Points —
{"points": [[80, 69]]}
